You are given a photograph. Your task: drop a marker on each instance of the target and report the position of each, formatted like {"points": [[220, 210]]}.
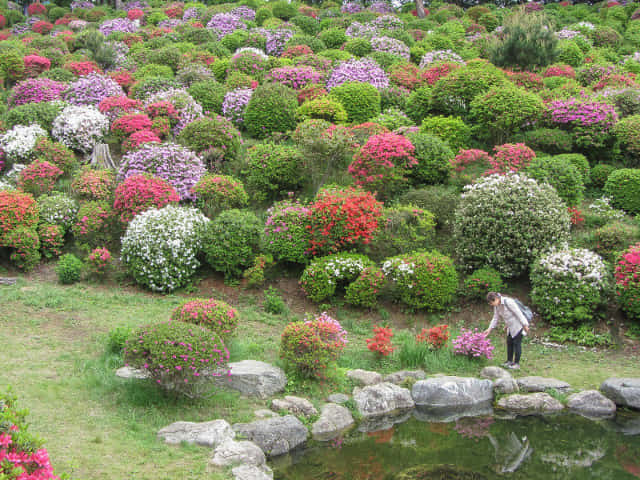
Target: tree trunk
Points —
{"points": [[420, 8]]}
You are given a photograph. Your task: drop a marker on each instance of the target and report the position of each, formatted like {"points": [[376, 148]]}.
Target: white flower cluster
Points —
{"points": [[160, 246], [19, 142], [602, 208], [80, 127], [58, 209], [585, 25], [581, 265], [255, 51], [396, 268], [341, 267], [5, 185]]}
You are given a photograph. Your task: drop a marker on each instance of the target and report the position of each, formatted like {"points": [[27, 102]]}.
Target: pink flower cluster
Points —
{"points": [[583, 113], [36, 90], [510, 157], [295, 77], [98, 261], [473, 343]]}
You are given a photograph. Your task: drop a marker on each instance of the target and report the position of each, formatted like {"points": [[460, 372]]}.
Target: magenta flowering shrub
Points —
{"points": [[92, 89], [510, 157], [473, 344], [251, 62], [98, 262], [187, 108], [223, 24], [36, 90], [295, 77], [365, 70], [285, 234], [214, 314], [119, 25], [234, 104], [390, 45], [589, 121], [173, 163]]}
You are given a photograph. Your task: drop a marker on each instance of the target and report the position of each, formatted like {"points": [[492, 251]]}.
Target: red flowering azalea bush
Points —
{"points": [[135, 14], [162, 109], [179, 357], [432, 74], [214, 314], [309, 347], [473, 344], [139, 193], [406, 75], [627, 277], [560, 71], [25, 247], [435, 337], [381, 344], [17, 209], [341, 218], [42, 27], [128, 124], [383, 163], [98, 262], [51, 240], [114, 107], [137, 139], [55, 153], [123, 78], [22, 456], [39, 177], [82, 68], [93, 224], [34, 65], [36, 9], [93, 184], [510, 157], [468, 165]]}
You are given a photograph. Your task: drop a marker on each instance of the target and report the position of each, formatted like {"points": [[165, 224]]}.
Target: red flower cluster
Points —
{"points": [[114, 107], [42, 27], [34, 65], [174, 11], [17, 209], [128, 124], [617, 81], [135, 14], [436, 337], [139, 193], [311, 92], [98, 261], [138, 138], [510, 157], [341, 218], [435, 73], [407, 75], [467, 158], [380, 344], [123, 78], [528, 80], [566, 71], [297, 51], [39, 177], [93, 184], [82, 68], [575, 215], [36, 9], [162, 109]]}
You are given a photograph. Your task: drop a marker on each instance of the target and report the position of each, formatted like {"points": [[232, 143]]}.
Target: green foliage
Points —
{"points": [[548, 140], [452, 130], [561, 174], [216, 315], [284, 10], [322, 277], [308, 25], [272, 108], [358, 46], [333, 37], [580, 162], [153, 70], [433, 155], [69, 269], [273, 170], [231, 241], [623, 187], [324, 108], [600, 173], [273, 302], [480, 282], [216, 139], [584, 335], [360, 100], [441, 200], [611, 239], [419, 104], [393, 118], [365, 290], [570, 53], [117, 338], [209, 94], [627, 134], [42, 113]]}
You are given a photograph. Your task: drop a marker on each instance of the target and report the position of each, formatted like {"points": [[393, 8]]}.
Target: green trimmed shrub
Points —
{"points": [[273, 170], [549, 140], [441, 200], [570, 53], [209, 94], [480, 282], [216, 193], [452, 130], [580, 162], [284, 10], [217, 140], [333, 37], [69, 269], [623, 187], [358, 46], [611, 239], [434, 156], [627, 134], [43, 113], [272, 108], [561, 175], [360, 100], [600, 173], [419, 104], [323, 276], [365, 290], [323, 108]]}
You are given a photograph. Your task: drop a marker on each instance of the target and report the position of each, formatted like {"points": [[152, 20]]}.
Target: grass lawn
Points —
{"points": [[97, 426]]}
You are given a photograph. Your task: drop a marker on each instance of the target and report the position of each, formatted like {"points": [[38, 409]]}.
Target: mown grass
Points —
{"points": [[97, 426]]}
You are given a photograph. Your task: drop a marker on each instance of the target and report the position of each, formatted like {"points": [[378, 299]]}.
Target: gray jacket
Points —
{"points": [[509, 311]]}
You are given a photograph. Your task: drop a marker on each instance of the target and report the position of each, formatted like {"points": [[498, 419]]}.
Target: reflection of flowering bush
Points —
{"points": [[365, 70], [474, 428], [473, 344], [80, 127]]}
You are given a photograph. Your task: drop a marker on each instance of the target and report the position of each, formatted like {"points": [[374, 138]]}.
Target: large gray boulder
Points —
{"points": [[364, 377], [538, 403], [623, 391], [399, 377], [251, 472], [448, 394], [382, 399], [208, 434], [541, 384], [130, 372], [294, 405], [275, 436], [502, 380], [334, 421], [230, 453], [254, 378], [591, 404]]}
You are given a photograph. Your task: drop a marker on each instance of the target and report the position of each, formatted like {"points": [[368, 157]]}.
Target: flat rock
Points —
{"points": [[254, 378], [452, 393], [250, 472], [383, 399], [334, 421], [338, 398], [275, 436], [591, 404], [530, 404], [208, 434], [264, 413], [130, 372], [230, 453], [502, 380], [364, 377], [399, 377], [623, 391], [541, 384], [294, 405], [494, 373]]}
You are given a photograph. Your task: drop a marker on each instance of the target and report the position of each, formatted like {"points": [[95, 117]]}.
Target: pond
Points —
{"points": [[564, 447]]}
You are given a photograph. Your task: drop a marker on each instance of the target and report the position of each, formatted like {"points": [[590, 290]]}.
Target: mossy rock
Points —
{"points": [[438, 472]]}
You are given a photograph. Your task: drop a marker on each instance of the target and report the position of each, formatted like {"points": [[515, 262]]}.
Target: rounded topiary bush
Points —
{"points": [[272, 108], [426, 280], [623, 187], [569, 285], [215, 138], [480, 282], [505, 221], [58, 209], [160, 247], [285, 234], [69, 269], [627, 278], [360, 100], [324, 275], [231, 241], [365, 290], [17, 209], [214, 314], [273, 170], [434, 159], [215, 193], [561, 174], [600, 174], [180, 357], [142, 192], [24, 244]]}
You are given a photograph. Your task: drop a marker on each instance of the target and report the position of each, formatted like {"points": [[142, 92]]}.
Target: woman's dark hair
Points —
{"points": [[491, 296]]}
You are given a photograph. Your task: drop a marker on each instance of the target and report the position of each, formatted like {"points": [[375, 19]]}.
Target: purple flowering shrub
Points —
{"points": [[361, 30], [285, 234], [173, 163], [390, 45], [365, 71], [276, 39], [92, 89], [589, 121], [351, 7], [295, 77], [234, 104], [473, 344], [244, 12], [223, 24], [188, 109], [119, 25], [36, 90]]}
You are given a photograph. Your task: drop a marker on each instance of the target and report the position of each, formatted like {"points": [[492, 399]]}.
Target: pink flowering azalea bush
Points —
{"points": [[214, 314], [473, 344], [22, 456], [590, 122], [39, 177], [285, 234], [295, 77], [142, 192], [98, 262], [510, 157], [627, 278], [180, 357]]}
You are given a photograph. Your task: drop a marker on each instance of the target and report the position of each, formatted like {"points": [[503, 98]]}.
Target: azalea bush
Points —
{"points": [[365, 290], [17, 209], [51, 240], [273, 170], [473, 344], [324, 275], [179, 357], [93, 224], [57, 209], [160, 247], [142, 192], [80, 127], [216, 193], [310, 346], [98, 262], [506, 221], [435, 337], [38, 177], [18, 144], [480, 282], [381, 342], [216, 315], [215, 139], [92, 184], [24, 244], [623, 188], [285, 235], [627, 281], [36, 90]]}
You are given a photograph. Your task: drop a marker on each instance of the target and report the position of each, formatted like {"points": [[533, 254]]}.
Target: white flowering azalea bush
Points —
{"points": [[58, 209], [322, 277], [18, 143], [569, 285], [422, 280], [506, 221], [80, 127], [160, 246]]}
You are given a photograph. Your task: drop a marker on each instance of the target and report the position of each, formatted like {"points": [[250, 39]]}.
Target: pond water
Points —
{"points": [[564, 447]]}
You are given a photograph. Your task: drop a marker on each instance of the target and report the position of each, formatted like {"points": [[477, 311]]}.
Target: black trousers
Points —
{"points": [[514, 345]]}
